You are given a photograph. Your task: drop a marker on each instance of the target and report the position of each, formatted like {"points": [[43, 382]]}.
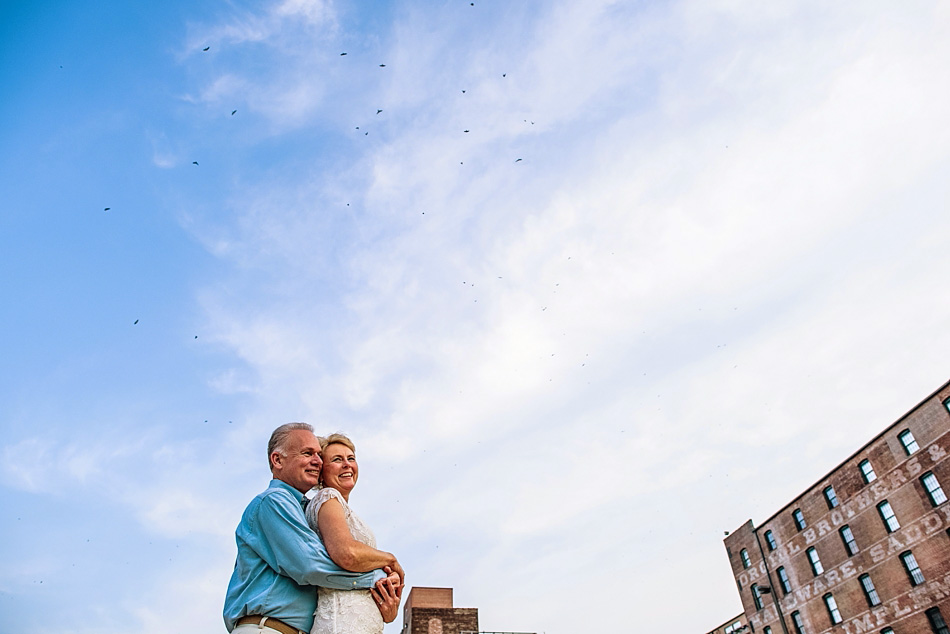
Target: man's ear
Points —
{"points": [[275, 461]]}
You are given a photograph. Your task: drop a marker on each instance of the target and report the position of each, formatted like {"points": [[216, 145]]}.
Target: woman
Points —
{"points": [[352, 546]]}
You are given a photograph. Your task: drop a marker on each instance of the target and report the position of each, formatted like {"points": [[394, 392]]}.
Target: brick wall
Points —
{"points": [[442, 620], [431, 611]]}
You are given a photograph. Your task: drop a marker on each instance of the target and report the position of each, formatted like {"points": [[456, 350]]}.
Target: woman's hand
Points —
{"points": [[387, 595]]}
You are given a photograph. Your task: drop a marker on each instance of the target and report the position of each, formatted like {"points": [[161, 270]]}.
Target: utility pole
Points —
{"points": [[768, 574]]}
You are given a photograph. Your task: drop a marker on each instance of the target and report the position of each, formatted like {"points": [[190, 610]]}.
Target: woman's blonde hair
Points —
{"points": [[337, 439]]}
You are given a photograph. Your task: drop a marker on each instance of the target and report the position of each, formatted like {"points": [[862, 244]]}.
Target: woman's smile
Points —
{"points": [[340, 469]]}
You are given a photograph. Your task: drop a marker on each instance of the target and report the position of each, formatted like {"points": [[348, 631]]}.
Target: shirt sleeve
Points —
{"points": [[293, 550]]}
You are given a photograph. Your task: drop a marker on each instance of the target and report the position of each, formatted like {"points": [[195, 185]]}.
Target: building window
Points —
{"points": [[816, 566], [937, 624], [770, 541], [799, 519], [887, 630], [910, 444], [867, 471], [783, 580], [797, 622], [832, 609], [870, 593], [847, 537], [744, 555], [887, 514], [767, 630], [913, 570], [830, 498], [735, 627], [934, 492], [756, 597]]}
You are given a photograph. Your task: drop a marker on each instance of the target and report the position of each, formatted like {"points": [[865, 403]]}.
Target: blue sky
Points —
{"points": [[587, 282]]}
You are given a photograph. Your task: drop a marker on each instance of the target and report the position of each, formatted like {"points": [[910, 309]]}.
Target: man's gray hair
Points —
{"points": [[278, 439]]}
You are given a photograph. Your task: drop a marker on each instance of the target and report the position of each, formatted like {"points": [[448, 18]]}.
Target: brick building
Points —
{"points": [[866, 549], [430, 611], [735, 625]]}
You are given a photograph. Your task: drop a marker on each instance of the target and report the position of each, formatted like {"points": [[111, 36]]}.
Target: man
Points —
{"points": [[279, 558]]}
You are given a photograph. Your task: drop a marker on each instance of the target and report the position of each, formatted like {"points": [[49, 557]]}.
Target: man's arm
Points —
{"points": [[293, 550]]}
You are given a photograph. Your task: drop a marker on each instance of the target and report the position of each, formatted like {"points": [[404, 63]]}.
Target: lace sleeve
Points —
{"points": [[313, 508]]}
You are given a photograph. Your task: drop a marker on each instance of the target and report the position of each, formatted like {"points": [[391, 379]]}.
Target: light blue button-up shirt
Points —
{"points": [[280, 560]]}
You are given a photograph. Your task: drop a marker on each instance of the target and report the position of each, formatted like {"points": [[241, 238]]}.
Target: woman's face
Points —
{"points": [[340, 470]]}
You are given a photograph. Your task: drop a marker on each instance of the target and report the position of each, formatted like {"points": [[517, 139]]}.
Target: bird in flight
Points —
{"points": [[516, 160], [135, 322], [194, 162], [382, 65], [107, 209], [378, 110], [205, 49], [342, 54], [233, 112]]}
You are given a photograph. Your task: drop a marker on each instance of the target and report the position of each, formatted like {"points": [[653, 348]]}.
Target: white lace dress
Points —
{"points": [[344, 611]]}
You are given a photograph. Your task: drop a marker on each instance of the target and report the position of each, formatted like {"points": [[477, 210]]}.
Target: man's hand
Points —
{"points": [[388, 595], [396, 573], [402, 574]]}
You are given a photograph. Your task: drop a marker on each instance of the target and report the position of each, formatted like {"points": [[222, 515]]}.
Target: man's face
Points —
{"points": [[299, 465]]}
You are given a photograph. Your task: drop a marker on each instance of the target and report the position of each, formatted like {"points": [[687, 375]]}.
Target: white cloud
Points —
{"points": [[727, 228], [23, 463], [315, 12], [172, 488], [278, 58], [163, 154]]}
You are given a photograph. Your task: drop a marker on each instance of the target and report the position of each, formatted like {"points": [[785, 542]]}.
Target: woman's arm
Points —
{"points": [[344, 550]]}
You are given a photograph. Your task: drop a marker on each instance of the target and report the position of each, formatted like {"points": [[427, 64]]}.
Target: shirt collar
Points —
{"points": [[283, 485]]}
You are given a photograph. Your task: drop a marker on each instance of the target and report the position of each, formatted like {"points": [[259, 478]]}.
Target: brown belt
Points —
{"points": [[271, 622]]}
